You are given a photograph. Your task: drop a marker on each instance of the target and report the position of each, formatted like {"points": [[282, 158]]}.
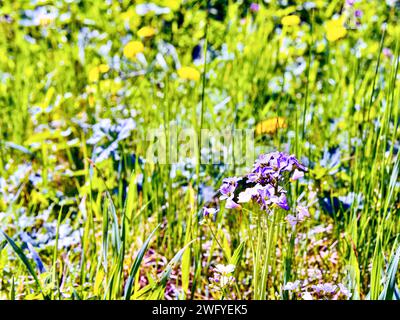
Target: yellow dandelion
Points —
{"points": [[132, 48], [146, 32], [270, 125], [335, 30], [94, 74], [189, 73], [103, 68], [291, 20]]}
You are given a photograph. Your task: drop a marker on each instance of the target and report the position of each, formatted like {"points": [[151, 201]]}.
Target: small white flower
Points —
{"points": [[291, 285], [329, 288], [306, 296], [220, 268], [344, 290]]}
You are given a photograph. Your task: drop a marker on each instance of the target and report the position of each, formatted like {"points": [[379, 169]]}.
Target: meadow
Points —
{"points": [[180, 149]]}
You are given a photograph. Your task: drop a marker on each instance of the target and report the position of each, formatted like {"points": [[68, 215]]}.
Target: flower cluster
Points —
{"points": [[222, 278], [318, 291], [265, 183]]}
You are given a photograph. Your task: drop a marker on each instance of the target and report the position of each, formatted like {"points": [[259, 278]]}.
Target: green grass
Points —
{"points": [[139, 230]]}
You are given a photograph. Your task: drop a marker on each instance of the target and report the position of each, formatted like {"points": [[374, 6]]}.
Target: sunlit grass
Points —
{"points": [[312, 81]]}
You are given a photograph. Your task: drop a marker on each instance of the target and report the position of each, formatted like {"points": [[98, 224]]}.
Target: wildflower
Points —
{"points": [[292, 220], [343, 290], [94, 73], [326, 288], [335, 30], [270, 126], [291, 20], [249, 193], [387, 52], [272, 165], [306, 296], [297, 174], [222, 277], [113, 133], [132, 48], [358, 13], [291, 285], [302, 212], [209, 212], [230, 204], [224, 269], [146, 32], [189, 73], [269, 197], [228, 187], [264, 180], [254, 7]]}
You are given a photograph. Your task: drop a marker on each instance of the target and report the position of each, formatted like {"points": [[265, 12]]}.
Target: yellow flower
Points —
{"points": [[146, 32], [132, 48], [270, 126], [189, 73], [335, 30], [94, 74], [291, 20], [172, 4], [103, 68]]}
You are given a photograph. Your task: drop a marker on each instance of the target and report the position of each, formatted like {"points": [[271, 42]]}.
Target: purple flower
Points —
{"points": [[292, 220], [297, 174], [343, 290], [250, 193], [226, 190], [254, 7], [302, 213], [327, 288], [253, 177], [269, 172], [269, 196], [358, 13], [387, 52], [228, 187], [350, 2], [291, 285], [282, 202], [270, 166], [230, 204], [209, 212]]}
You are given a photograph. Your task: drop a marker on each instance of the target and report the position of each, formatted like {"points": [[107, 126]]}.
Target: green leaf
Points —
{"points": [[24, 259], [237, 255], [389, 287], [136, 264]]}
